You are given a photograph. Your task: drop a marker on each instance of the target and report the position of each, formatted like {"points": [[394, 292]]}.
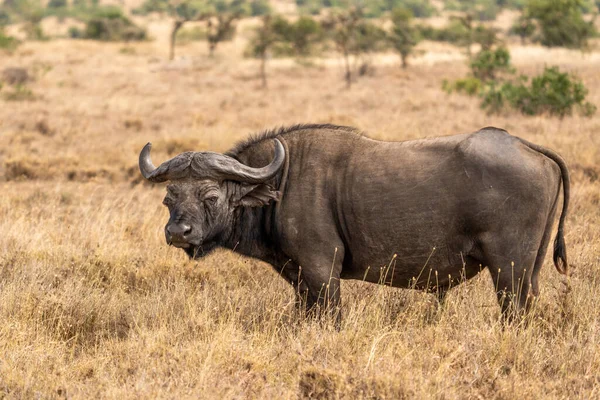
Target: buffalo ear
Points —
{"points": [[256, 195]]}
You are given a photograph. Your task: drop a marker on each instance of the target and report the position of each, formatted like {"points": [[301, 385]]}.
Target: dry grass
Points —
{"points": [[94, 304]]}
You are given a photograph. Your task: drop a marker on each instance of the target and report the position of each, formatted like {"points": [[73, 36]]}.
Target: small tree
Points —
{"points": [[404, 35], [260, 8], [485, 37], [182, 11], [264, 38], [553, 92], [342, 27], [7, 43], [220, 28], [369, 38], [301, 36], [561, 23], [377, 8], [31, 13], [523, 27], [489, 63], [418, 8], [467, 22], [482, 10]]}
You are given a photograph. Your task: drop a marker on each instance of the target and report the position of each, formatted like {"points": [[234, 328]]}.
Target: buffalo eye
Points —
{"points": [[211, 201]]}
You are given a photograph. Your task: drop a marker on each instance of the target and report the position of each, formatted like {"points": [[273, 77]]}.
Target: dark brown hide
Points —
{"points": [[417, 214]]}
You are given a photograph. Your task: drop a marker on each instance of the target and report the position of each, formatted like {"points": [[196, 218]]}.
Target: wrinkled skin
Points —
{"points": [[424, 214], [208, 208]]}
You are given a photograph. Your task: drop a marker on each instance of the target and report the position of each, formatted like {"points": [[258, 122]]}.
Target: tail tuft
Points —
{"points": [[560, 254]]}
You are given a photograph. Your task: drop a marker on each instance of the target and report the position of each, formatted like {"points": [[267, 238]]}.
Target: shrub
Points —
{"points": [[109, 24], [482, 10], [404, 35], [57, 3], [488, 63], [485, 37], [469, 85], [4, 18], [75, 32], [368, 38], [553, 92], [418, 8], [150, 6], [561, 23], [523, 27], [455, 32], [8, 43], [300, 36], [260, 7]]}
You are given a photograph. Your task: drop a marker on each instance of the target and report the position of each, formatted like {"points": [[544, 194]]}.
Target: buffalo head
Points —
{"points": [[205, 191]]}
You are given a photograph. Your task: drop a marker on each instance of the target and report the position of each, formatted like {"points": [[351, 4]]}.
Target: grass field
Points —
{"points": [[94, 304]]}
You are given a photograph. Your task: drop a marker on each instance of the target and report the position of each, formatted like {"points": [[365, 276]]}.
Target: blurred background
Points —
{"points": [[109, 76]]}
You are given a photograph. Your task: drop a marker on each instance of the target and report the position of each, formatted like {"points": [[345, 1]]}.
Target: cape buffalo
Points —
{"points": [[324, 202]]}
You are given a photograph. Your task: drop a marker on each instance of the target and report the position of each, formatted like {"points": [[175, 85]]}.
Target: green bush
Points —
{"points": [[259, 8], [57, 3], [485, 37], [150, 6], [8, 43], [455, 32], [404, 36], [469, 85], [368, 38], [561, 23], [298, 38], [75, 32], [371, 8], [109, 24], [553, 92], [4, 17], [418, 8], [482, 10], [487, 64], [523, 27]]}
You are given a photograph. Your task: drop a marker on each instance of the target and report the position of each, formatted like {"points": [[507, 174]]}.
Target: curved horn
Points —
{"points": [[175, 168], [209, 165], [146, 167], [229, 168]]}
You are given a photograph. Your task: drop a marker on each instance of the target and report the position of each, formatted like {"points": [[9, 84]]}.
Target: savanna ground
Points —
{"points": [[94, 304]]}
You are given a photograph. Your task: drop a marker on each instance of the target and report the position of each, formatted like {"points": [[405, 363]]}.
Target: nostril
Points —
{"points": [[178, 232]]}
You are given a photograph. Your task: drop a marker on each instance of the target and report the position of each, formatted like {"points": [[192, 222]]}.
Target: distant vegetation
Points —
{"points": [[493, 79], [374, 8], [561, 23], [347, 28], [7, 43], [109, 23]]}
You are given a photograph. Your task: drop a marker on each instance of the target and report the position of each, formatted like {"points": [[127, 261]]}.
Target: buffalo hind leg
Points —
{"points": [[512, 282], [511, 268]]}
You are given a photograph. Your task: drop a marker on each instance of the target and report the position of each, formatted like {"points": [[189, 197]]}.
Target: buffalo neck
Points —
{"points": [[254, 229], [253, 233]]}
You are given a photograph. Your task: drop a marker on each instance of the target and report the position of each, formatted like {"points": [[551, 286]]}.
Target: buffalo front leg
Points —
{"points": [[318, 283]]}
